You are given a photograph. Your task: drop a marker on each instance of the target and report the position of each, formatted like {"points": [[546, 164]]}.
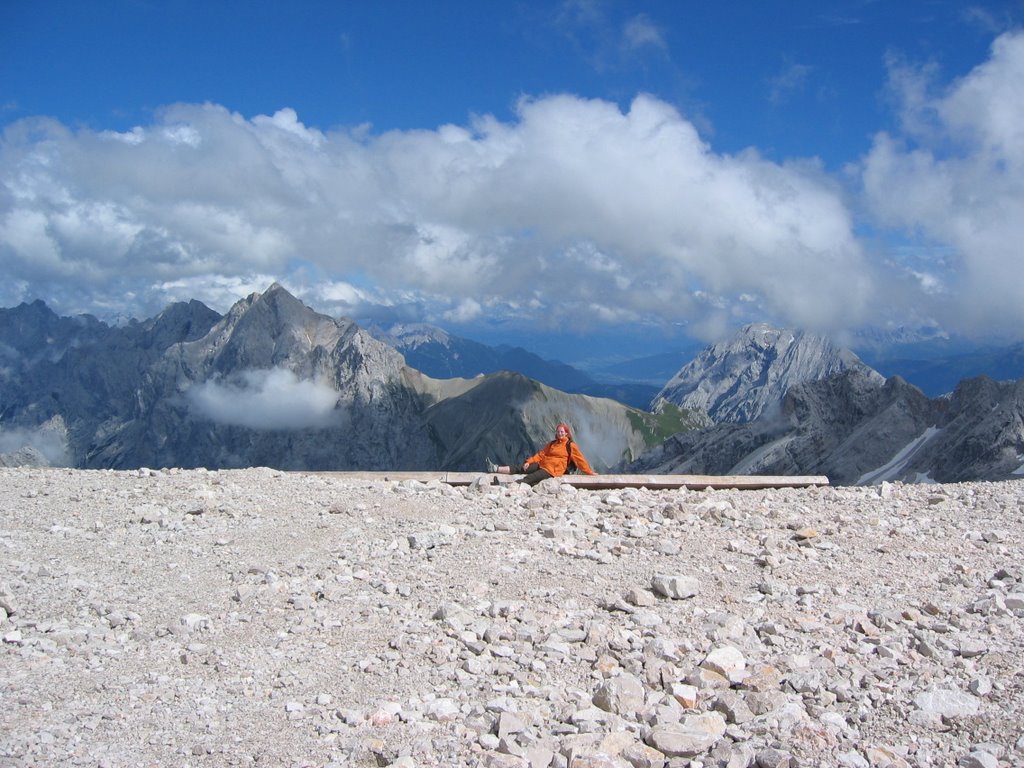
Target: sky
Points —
{"points": [[586, 177]]}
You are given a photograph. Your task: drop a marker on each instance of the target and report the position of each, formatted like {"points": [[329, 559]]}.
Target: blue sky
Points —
{"points": [[606, 170]]}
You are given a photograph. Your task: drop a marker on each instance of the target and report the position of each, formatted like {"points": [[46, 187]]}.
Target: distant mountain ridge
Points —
{"points": [[654, 370], [941, 375], [442, 355], [937, 361], [274, 383]]}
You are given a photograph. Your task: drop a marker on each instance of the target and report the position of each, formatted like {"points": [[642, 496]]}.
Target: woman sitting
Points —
{"points": [[553, 460]]}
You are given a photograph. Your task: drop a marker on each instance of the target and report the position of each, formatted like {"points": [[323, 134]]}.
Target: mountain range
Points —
{"points": [[274, 383], [939, 374], [789, 402], [856, 428]]}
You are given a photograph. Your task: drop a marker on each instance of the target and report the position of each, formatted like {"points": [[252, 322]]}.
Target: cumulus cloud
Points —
{"points": [[466, 311], [577, 208], [265, 400], [641, 32], [791, 80], [576, 212], [953, 183]]}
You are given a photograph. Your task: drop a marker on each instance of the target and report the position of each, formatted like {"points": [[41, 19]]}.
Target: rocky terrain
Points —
{"points": [[255, 617]]}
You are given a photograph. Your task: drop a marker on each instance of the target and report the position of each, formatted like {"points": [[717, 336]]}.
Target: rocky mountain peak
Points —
{"points": [[738, 379], [268, 330], [32, 329], [181, 321], [762, 336]]}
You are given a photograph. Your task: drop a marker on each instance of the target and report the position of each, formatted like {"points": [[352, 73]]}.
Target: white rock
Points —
{"points": [[949, 703], [675, 587], [978, 759], [692, 736], [623, 695], [443, 710], [726, 661]]}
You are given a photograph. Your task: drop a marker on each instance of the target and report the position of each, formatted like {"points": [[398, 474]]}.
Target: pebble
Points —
{"points": [[257, 616]]}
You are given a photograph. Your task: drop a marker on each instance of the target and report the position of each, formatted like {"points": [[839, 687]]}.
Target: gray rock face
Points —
{"points": [[24, 457], [738, 380], [80, 372], [273, 383], [858, 430], [981, 433]]}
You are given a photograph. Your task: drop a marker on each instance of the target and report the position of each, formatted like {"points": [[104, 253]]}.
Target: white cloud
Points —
{"points": [[135, 136], [574, 211], [214, 290], [288, 121], [641, 32], [48, 441], [466, 311], [341, 291], [791, 80], [182, 134], [955, 180], [266, 400]]}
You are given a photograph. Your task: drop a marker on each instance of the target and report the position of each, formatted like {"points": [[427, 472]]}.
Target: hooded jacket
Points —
{"points": [[553, 458]]}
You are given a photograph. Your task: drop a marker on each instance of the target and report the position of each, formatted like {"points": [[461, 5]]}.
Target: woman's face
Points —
{"points": [[561, 432]]}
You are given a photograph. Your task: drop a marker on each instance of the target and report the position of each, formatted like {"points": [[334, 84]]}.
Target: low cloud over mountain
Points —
{"points": [[265, 399]]}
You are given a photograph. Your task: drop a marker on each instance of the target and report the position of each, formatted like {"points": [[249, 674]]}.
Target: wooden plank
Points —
{"points": [[606, 482], [695, 482]]}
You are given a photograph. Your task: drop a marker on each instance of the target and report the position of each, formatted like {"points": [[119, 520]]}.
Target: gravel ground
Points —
{"points": [[254, 617]]}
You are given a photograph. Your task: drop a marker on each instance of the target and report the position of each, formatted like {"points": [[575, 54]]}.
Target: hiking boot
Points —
{"points": [[491, 466]]}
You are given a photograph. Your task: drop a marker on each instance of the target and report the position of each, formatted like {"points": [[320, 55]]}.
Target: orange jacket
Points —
{"points": [[553, 458]]}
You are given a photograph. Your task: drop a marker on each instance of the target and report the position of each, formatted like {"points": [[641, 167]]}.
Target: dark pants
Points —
{"points": [[534, 474]]}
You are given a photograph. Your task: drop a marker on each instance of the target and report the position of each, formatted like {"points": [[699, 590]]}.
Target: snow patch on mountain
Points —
{"points": [[896, 467]]}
